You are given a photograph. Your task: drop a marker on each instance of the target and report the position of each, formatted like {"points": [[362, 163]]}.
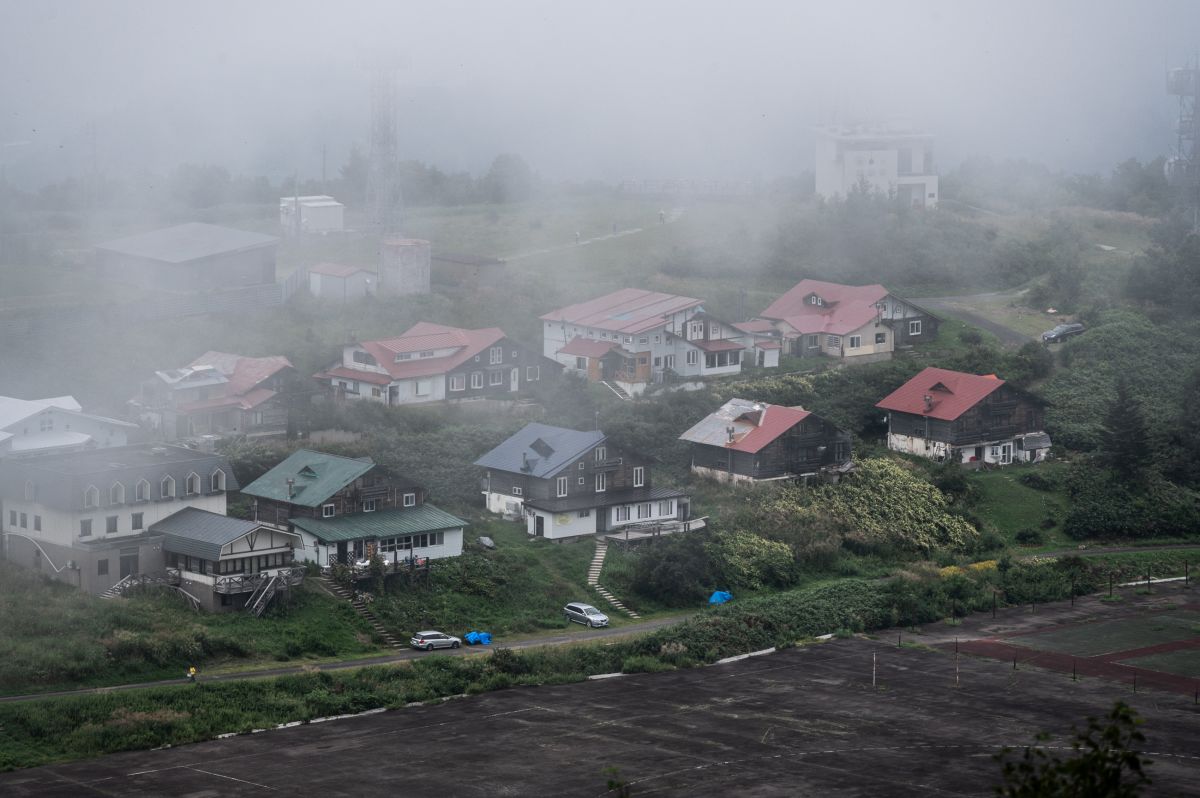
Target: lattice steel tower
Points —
{"points": [[385, 202], [1183, 167]]}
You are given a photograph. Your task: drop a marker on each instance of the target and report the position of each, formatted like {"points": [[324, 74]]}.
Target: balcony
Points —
{"points": [[248, 583]]}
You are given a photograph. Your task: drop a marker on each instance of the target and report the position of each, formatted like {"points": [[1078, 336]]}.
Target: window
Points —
{"points": [[101, 567], [12, 517], [621, 513], [582, 480], [364, 358], [855, 341], [166, 488], [458, 382], [880, 338], [533, 373], [496, 355], [714, 330], [192, 484], [516, 490], [426, 353], [216, 482], [666, 507], [583, 513], [668, 361], [110, 525], [423, 387], [639, 476], [693, 357], [141, 491], [368, 505], [562, 486], [601, 482], [710, 361], [581, 363], [136, 523], [496, 378], [37, 523], [476, 379], [91, 497], [376, 392], [328, 510], [695, 330], [914, 327], [643, 341], [410, 500], [813, 299], [833, 341], [24, 521], [85, 528], [601, 454], [46, 423], [812, 341], [644, 510]]}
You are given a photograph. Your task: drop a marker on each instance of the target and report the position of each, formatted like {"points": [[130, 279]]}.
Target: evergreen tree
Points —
{"points": [[1125, 444]]}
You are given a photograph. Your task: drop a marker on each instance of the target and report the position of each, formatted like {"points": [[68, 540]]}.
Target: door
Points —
{"points": [[515, 381], [1006, 451], [341, 551], [129, 564], [540, 525]]}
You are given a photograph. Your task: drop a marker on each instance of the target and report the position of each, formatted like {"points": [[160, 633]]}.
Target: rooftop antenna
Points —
{"points": [[1183, 167], [384, 201]]}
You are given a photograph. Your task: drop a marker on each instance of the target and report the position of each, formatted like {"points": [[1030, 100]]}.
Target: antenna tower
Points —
{"points": [[384, 201], [1183, 167]]}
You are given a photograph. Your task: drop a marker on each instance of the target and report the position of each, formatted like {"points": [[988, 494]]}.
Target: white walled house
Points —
{"points": [[340, 282], [42, 426], [888, 160], [315, 213], [564, 483], [434, 363], [632, 338], [85, 517]]}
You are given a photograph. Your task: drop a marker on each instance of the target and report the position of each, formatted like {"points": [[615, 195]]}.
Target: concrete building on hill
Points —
{"points": [[890, 160]]}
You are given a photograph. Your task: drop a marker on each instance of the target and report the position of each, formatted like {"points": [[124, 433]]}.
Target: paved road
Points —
{"points": [[960, 307], [570, 635], [844, 719], [672, 216]]}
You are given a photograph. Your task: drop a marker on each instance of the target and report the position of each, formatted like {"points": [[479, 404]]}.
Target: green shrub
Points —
{"points": [[1030, 537]]}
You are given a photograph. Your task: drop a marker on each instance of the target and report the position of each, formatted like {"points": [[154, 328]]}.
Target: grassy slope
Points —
{"points": [[1011, 506]]}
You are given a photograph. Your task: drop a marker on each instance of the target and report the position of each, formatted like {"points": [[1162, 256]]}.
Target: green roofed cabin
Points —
{"points": [[346, 510]]}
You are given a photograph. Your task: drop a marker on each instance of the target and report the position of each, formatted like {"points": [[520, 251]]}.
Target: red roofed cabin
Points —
{"points": [[856, 323], [746, 441], [965, 418], [435, 363]]}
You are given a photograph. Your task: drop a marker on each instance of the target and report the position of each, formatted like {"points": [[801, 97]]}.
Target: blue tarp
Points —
{"points": [[478, 638], [719, 597]]}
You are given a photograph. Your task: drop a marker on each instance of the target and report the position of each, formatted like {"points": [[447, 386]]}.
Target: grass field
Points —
{"points": [[1184, 662], [1010, 506], [1109, 637]]}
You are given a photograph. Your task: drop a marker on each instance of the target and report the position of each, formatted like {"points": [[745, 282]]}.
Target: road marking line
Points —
{"points": [[231, 778]]}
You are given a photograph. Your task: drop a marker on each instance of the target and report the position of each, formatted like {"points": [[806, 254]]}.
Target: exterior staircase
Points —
{"points": [[617, 389], [118, 589], [261, 598], [362, 609], [593, 579]]}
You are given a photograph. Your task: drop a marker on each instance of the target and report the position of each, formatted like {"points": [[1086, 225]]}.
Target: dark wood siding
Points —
{"points": [[1002, 414], [797, 451]]}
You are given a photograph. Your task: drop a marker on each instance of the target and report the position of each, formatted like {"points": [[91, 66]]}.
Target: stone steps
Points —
{"points": [[593, 579], [363, 611]]}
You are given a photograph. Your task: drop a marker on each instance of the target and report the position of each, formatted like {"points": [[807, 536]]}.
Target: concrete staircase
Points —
{"points": [[593, 579], [616, 389], [362, 609]]}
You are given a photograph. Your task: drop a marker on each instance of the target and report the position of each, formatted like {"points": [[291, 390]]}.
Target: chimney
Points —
{"points": [[729, 431], [928, 403], [291, 483]]}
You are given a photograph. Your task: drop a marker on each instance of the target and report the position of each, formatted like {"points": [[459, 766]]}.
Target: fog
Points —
{"points": [[612, 90]]}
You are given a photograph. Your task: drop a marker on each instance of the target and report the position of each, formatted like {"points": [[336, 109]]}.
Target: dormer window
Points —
{"points": [[192, 484], [813, 299], [116, 494], [217, 481], [166, 488], [91, 496], [427, 353], [364, 358], [30, 492], [141, 491]]}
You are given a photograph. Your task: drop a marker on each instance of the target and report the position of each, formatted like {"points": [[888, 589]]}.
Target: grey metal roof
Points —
{"points": [[59, 480], [1036, 440], [187, 242], [540, 450], [199, 533], [381, 524]]}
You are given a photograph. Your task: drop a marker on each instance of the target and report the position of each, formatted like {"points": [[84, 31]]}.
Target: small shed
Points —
{"points": [[340, 282]]}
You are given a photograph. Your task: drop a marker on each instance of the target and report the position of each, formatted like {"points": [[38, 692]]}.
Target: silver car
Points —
{"points": [[428, 641], [585, 614]]}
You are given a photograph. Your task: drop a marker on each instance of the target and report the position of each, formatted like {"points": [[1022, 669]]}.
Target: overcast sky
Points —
{"points": [[581, 90]]}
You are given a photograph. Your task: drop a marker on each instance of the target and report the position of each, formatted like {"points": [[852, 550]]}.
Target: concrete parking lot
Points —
{"points": [[804, 721]]}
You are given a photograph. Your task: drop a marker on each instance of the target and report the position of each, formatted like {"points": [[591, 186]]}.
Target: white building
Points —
{"points": [[340, 282], [890, 160], [632, 338], [41, 426], [316, 214]]}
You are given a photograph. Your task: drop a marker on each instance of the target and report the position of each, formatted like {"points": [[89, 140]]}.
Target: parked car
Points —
{"points": [[1061, 333], [428, 641], [585, 614]]}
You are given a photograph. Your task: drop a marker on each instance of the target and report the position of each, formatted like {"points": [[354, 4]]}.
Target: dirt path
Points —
{"points": [[961, 307], [672, 216]]}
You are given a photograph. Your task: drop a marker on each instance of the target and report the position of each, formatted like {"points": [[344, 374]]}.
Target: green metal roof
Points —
{"points": [[316, 475], [381, 524]]}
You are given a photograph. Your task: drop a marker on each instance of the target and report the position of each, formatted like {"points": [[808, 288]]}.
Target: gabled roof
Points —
{"points": [[14, 410], [951, 393], [755, 326], [755, 424], [629, 310], [425, 336], [843, 308], [199, 533], [243, 373], [587, 347], [381, 524], [338, 269], [187, 242], [316, 476], [540, 450]]}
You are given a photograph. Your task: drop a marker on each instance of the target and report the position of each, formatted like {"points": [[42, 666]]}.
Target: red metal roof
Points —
{"points": [[243, 375], [716, 346], [754, 326], [421, 337], [768, 345], [629, 310], [844, 308], [755, 425], [587, 347], [247, 401], [951, 393]]}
